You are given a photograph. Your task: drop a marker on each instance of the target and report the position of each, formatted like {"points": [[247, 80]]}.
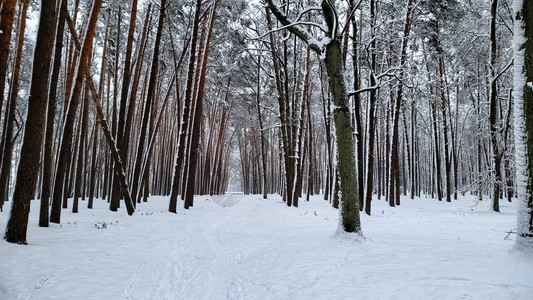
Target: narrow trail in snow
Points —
{"points": [[195, 274]]}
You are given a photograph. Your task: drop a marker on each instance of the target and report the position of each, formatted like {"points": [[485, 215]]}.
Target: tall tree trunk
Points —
{"points": [[115, 156], [81, 148], [357, 107], [149, 99], [282, 102], [371, 118], [66, 140], [395, 168], [261, 129], [444, 106], [11, 105], [114, 203], [496, 156], [50, 119], [186, 110], [126, 78], [7, 15], [195, 146], [30, 152], [523, 97]]}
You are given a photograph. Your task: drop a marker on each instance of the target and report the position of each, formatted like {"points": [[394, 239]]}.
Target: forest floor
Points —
{"points": [[262, 249]]}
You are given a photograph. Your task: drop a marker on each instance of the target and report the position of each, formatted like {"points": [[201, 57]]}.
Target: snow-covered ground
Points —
{"points": [[261, 249]]}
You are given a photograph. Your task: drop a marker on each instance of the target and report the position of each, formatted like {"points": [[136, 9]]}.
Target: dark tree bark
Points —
{"points": [[395, 167], [115, 156], [135, 84], [371, 120], [66, 140], [186, 110], [81, 148], [261, 130], [285, 132], [198, 114], [496, 156], [6, 24], [447, 161], [34, 129], [149, 99], [11, 105], [50, 118], [358, 125], [114, 202]]}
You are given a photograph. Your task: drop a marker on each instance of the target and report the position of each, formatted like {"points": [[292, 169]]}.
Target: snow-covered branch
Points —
{"points": [[294, 28]]}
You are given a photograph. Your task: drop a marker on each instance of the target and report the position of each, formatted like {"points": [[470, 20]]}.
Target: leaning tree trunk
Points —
{"points": [[115, 156], [30, 153]]}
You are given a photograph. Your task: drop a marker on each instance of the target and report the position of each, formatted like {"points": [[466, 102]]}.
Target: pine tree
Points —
{"points": [[30, 153]]}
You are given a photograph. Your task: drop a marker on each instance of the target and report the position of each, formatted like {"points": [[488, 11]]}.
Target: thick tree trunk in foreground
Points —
{"points": [[345, 146], [30, 153], [523, 96]]}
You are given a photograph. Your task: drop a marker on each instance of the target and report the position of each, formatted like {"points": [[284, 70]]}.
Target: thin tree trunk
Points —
{"points": [[496, 156], [186, 107], [148, 104], [194, 148], [261, 129]]}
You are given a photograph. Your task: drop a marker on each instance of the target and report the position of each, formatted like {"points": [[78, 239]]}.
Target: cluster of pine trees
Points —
{"points": [[119, 100]]}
